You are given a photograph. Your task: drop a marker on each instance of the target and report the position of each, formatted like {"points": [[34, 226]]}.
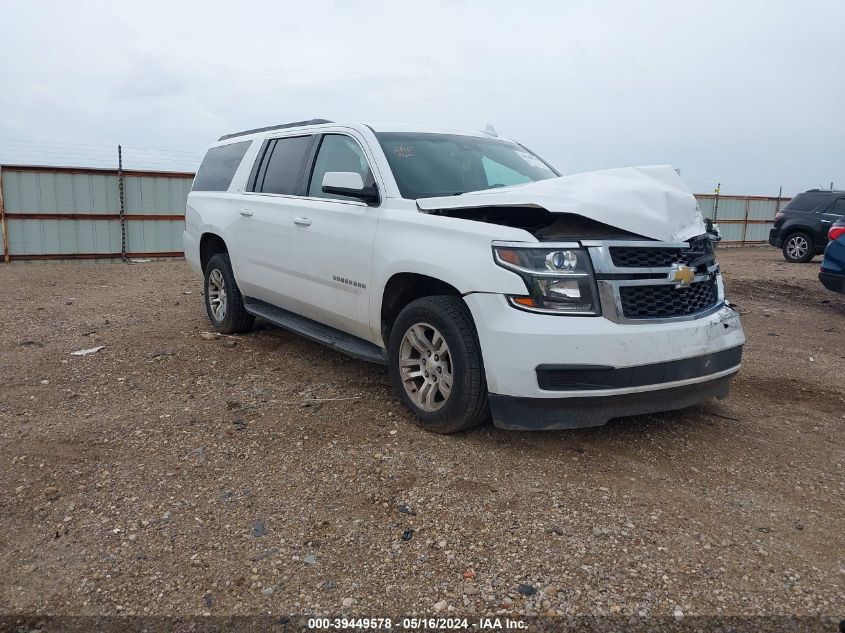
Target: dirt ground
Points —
{"points": [[169, 474]]}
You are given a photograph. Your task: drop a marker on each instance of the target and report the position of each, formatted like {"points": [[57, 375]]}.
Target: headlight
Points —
{"points": [[559, 279]]}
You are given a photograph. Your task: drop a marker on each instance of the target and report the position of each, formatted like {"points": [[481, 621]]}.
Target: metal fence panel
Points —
{"points": [[154, 236], [706, 204], [156, 195], [24, 236], [104, 191], [81, 213], [731, 208], [20, 192], [731, 232], [57, 213], [742, 219], [761, 209], [757, 233]]}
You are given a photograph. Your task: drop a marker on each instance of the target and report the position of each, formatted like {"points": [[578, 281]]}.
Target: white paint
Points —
{"points": [[514, 343], [345, 179], [649, 201], [335, 267]]}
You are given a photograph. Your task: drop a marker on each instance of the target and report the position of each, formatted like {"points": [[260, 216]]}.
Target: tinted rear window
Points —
{"points": [[807, 201], [219, 166], [282, 171]]}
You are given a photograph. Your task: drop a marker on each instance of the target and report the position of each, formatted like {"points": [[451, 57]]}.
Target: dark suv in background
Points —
{"points": [[801, 227]]}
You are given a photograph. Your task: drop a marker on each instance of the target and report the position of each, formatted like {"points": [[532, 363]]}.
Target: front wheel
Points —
{"points": [[436, 366], [798, 248]]}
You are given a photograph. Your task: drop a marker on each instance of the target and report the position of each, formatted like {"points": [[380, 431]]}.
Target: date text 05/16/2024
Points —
{"points": [[411, 624]]}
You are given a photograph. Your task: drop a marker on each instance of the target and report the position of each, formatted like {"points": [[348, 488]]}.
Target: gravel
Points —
{"points": [[171, 472]]}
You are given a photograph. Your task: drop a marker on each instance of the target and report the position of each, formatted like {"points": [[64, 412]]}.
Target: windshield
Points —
{"points": [[429, 165]]}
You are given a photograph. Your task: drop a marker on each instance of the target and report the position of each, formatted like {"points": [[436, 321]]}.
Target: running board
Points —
{"points": [[329, 336]]}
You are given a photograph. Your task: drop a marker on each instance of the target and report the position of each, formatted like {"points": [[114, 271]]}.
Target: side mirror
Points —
{"points": [[349, 183], [713, 231]]}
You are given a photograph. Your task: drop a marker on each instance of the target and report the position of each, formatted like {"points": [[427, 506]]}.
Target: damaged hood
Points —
{"points": [[650, 201]]}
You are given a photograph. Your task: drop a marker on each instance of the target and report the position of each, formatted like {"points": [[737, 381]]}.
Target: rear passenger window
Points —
{"points": [[807, 202], [838, 207], [219, 167], [284, 162]]}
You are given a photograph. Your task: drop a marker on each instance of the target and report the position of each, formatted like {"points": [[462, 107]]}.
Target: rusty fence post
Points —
{"points": [[5, 228], [745, 222], [716, 193], [122, 205]]}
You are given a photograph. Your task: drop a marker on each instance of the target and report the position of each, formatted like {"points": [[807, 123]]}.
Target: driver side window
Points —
{"points": [[338, 152]]}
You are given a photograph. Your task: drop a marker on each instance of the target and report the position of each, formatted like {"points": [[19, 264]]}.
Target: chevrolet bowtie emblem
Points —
{"points": [[681, 275]]}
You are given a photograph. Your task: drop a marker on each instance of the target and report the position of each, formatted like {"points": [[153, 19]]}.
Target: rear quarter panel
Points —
{"points": [[834, 257], [806, 222], [208, 212]]}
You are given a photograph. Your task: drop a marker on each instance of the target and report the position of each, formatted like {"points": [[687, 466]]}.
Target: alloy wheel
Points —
{"points": [[425, 366], [797, 246], [217, 294]]}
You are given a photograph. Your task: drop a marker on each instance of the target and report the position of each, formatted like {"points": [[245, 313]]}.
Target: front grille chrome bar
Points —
{"points": [[609, 288]]}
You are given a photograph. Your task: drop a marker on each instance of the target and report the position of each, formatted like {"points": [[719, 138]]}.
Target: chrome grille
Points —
{"points": [[666, 301], [700, 251], [637, 283]]}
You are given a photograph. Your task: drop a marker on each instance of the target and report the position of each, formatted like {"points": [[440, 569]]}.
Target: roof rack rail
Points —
{"points": [[275, 127]]}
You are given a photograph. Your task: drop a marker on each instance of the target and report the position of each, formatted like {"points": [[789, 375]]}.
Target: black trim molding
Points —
{"points": [[545, 414], [591, 377]]}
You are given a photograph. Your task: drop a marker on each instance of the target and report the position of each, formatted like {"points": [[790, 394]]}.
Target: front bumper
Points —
{"points": [[515, 344], [546, 414], [774, 238]]}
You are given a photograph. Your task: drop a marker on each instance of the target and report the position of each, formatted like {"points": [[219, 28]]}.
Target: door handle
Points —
{"points": [[302, 221], [247, 213]]}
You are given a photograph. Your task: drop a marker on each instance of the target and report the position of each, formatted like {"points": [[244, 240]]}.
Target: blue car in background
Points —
{"points": [[832, 272]]}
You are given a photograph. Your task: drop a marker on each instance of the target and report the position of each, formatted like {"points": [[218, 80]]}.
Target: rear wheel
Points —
{"points": [[436, 366], [223, 301], [798, 248]]}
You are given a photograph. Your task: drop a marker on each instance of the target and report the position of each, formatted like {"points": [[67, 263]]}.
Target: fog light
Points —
{"points": [[561, 260]]}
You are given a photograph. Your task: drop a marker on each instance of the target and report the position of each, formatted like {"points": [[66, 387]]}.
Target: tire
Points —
{"points": [[465, 405], [798, 248], [233, 317]]}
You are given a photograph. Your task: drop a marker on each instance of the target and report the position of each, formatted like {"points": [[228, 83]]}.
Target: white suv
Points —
{"points": [[486, 281]]}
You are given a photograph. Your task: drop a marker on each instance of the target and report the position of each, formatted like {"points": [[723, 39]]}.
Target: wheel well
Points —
{"points": [[799, 229], [211, 245], [401, 289]]}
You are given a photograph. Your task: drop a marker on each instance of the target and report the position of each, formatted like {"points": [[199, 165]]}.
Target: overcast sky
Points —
{"points": [[751, 94]]}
